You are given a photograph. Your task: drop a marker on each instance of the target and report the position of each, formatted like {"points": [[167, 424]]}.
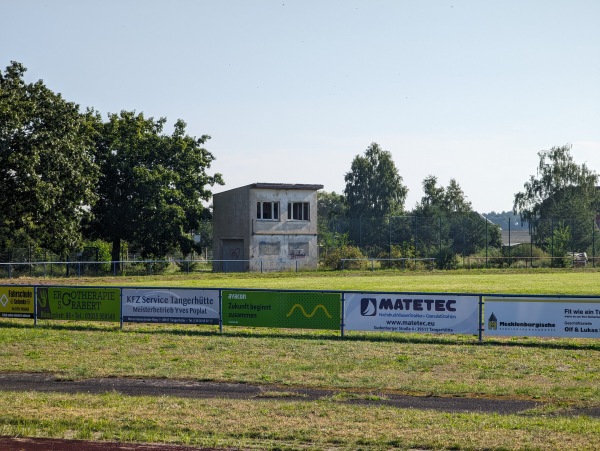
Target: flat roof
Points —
{"points": [[286, 186]]}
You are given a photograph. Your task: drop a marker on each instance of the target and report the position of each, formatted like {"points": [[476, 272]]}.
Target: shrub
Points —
{"points": [[400, 252], [446, 259], [334, 257]]}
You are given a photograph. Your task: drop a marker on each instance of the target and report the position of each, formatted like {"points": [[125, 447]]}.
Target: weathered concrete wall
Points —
{"points": [[230, 223], [270, 244], [284, 243]]}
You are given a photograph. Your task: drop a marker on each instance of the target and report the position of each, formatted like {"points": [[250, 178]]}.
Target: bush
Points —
{"points": [[400, 252], [446, 259], [334, 257]]}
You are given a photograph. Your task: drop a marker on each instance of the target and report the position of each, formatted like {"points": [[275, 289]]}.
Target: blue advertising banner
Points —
{"points": [[425, 313]]}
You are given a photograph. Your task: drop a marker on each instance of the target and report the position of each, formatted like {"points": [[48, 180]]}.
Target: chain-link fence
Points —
{"points": [[400, 242], [469, 240]]}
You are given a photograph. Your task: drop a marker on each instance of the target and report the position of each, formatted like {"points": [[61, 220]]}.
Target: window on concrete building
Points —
{"points": [[267, 210], [299, 211]]}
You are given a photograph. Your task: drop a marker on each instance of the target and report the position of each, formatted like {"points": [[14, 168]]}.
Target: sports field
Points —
{"points": [[360, 375]]}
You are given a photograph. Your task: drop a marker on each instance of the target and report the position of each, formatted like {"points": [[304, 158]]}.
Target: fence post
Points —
{"points": [[530, 244], [509, 243], [573, 241], [593, 243], [440, 241], [343, 300], [552, 240], [481, 320], [416, 235], [390, 234], [220, 311], [486, 243]]}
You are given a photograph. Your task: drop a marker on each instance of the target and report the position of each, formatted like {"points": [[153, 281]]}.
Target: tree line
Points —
{"points": [[559, 205], [69, 176]]}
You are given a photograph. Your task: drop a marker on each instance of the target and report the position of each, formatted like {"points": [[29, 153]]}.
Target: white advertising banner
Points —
{"points": [[542, 317], [170, 305], [425, 313]]}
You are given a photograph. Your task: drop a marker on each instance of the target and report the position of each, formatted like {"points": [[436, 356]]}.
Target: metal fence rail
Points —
{"points": [[134, 267], [391, 263]]}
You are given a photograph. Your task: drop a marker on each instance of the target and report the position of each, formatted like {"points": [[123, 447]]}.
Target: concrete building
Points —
{"points": [[265, 227]]}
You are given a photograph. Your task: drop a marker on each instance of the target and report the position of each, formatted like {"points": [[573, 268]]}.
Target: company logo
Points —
{"points": [[3, 300], [492, 322], [308, 315], [368, 306]]}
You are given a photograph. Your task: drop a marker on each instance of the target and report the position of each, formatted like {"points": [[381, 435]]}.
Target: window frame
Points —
{"points": [[273, 210], [298, 211]]}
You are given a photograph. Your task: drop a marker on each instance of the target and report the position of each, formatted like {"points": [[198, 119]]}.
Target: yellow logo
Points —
{"points": [[307, 315]]}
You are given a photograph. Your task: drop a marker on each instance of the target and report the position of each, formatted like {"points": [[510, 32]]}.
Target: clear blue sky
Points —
{"points": [[292, 91]]}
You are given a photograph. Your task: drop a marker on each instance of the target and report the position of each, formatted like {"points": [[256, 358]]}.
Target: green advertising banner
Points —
{"points": [[16, 302], [84, 304], [293, 310]]}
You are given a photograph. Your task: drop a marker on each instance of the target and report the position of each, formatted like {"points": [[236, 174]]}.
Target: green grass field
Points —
{"points": [[561, 373]]}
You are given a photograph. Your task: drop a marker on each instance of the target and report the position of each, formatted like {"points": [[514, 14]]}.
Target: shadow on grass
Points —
{"points": [[314, 335]]}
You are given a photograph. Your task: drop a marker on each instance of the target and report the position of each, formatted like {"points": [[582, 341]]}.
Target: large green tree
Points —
{"points": [[47, 173], [562, 194], [373, 185], [152, 184], [451, 221], [374, 193]]}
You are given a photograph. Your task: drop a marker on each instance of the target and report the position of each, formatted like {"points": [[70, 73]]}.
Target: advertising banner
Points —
{"points": [[542, 317], [425, 313], [82, 304], [170, 305], [16, 302], [294, 310]]}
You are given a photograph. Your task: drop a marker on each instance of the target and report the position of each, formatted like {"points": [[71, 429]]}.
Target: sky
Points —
{"points": [[291, 91]]}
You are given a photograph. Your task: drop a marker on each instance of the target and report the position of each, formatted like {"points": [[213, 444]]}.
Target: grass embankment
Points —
{"points": [[561, 373]]}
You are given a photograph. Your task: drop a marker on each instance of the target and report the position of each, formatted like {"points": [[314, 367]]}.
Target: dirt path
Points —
{"points": [[195, 389], [260, 393]]}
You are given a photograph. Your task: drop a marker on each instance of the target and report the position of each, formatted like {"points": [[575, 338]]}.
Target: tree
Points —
{"points": [[152, 185], [563, 193], [459, 229], [373, 186], [47, 173], [331, 210], [374, 193], [439, 200]]}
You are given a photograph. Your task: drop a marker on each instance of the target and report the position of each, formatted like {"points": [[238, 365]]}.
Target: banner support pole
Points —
{"points": [[481, 322]]}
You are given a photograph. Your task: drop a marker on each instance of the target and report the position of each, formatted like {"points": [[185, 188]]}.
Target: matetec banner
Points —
{"points": [[16, 302], [170, 305], [425, 313], [542, 317], [294, 310], [84, 304]]}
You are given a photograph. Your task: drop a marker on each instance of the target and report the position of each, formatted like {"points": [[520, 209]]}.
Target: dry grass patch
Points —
{"points": [[276, 425]]}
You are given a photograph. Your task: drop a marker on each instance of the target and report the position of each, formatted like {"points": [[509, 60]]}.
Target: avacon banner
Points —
{"points": [[170, 305], [80, 304], [426, 313], [16, 302], [294, 310], [542, 317]]}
